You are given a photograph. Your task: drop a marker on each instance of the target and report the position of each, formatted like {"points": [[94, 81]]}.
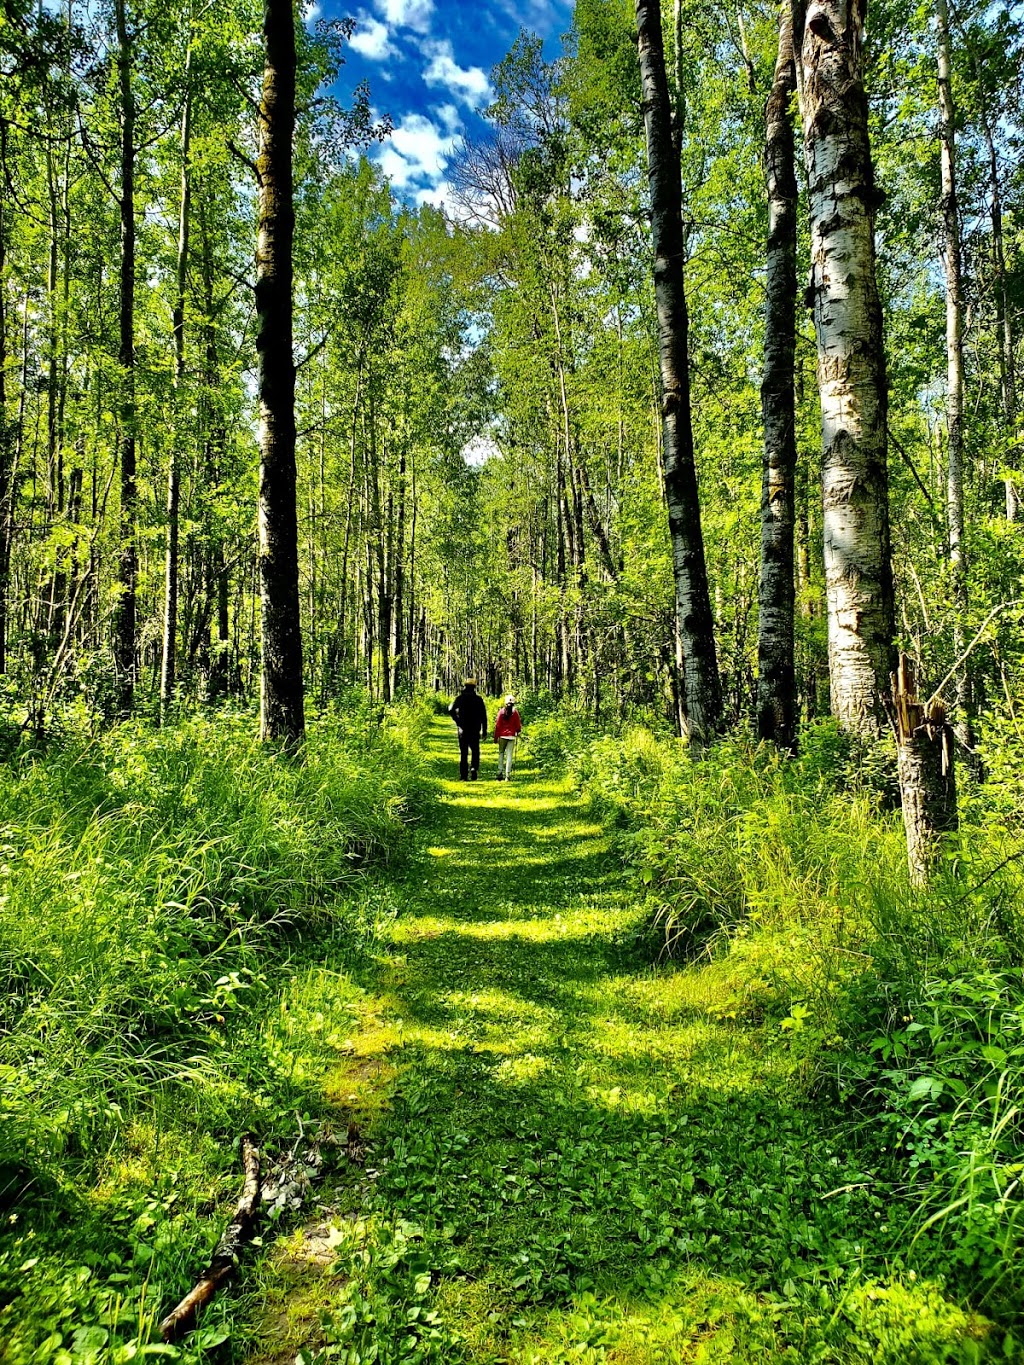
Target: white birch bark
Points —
{"points": [[851, 359]]}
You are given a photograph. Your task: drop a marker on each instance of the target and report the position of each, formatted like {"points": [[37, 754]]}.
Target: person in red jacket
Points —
{"points": [[507, 729]]}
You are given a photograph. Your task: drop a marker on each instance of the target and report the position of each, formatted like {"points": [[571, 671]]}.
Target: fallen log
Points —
{"points": [[241, 1228]]}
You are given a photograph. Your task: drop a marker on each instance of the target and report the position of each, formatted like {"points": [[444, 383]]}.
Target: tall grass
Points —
{"points": [[154, 886]]}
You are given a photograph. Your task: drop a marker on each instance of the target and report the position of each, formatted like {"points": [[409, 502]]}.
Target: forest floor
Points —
{"points": [[573, 1154]]}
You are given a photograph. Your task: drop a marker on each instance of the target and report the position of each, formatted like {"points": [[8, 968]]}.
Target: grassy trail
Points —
{"points": [[575, 1156]]}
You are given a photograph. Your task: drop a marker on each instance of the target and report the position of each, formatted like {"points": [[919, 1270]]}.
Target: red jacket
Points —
{"points": [[508, 726]]}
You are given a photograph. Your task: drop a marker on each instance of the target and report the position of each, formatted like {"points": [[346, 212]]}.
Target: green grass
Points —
{"points": [[162, 894], [541, 1144], [577, 1156]]}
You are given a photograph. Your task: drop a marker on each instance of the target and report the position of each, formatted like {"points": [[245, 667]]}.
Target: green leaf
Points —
{"points": [[925, 1086]]}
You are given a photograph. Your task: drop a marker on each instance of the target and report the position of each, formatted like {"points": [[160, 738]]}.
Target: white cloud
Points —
{"points": [[450, 117], [466, 83], [370, 39], [407, 13], [438, 195], [417, 150]]}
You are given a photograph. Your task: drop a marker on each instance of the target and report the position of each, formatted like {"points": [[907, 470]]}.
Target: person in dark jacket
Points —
{"points": [[469, 713]]}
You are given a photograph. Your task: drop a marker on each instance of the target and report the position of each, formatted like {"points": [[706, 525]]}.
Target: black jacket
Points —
{"points": [[469, 712]]}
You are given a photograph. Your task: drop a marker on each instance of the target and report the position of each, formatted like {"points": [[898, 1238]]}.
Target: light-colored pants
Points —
{"points": [[506, 753]]}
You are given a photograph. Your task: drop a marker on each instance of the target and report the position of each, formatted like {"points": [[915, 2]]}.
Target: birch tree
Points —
{"points": [[170, 640], [124, 622], [851, 361]]}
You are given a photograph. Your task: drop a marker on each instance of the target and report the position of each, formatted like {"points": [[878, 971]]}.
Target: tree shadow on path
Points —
{"points": [[565, 1128]]}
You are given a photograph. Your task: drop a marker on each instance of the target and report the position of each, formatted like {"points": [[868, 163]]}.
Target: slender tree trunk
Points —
{"points": [[225, 673], [1004, 325], [282, 715], [776, 679], [6, 461], [851, 360], [803, 542], [678, 111], [954, 372], [701, 692], [170, 640], [399, 658], [124, 615], [597, 526], [349, 505], [414, 673]]}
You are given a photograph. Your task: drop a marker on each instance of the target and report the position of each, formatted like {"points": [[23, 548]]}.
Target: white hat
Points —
{"points": [[510, 700]]}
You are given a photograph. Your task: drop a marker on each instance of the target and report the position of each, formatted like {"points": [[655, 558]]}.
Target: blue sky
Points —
{"points": [[428, 63]]}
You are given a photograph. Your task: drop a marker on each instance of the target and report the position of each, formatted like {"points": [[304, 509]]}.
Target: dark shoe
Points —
{"points": [[463, 777], [500, 777], [472, 774]]}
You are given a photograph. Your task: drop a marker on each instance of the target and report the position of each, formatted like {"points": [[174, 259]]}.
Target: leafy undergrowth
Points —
{"points": [[163, 894], [906, 1008], [579, 1155], [553, 1144]]}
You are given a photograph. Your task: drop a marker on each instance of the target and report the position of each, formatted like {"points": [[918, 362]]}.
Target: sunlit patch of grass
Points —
{"points": [[696, 1319], [522, 1069], [501, 1006], [543, 923], [360, 1085], [617, 1037]]}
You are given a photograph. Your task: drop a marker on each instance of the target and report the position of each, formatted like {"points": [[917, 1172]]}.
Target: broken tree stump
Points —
{"points": [[239, 1231], [924, 757]]}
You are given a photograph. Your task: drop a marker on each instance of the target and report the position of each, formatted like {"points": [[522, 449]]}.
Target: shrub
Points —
{"points": [[736, 837]]}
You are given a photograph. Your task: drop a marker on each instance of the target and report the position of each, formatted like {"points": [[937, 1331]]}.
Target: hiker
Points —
{"points": [[507, 729], [470, 715]]}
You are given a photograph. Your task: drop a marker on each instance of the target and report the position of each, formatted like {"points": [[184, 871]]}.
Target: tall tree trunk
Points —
{"points": [[224, 666], [851, 360], [776, 678], [1004, 324], [414, 671], [124, 615], [702, 692], [170, 640], [399, 656], [282, 716], [954, 373], [346, 542], [678, 110], [6, 453]]}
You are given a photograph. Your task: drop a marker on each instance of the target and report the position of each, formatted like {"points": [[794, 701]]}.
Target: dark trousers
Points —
{"points": [[469, 745]]}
